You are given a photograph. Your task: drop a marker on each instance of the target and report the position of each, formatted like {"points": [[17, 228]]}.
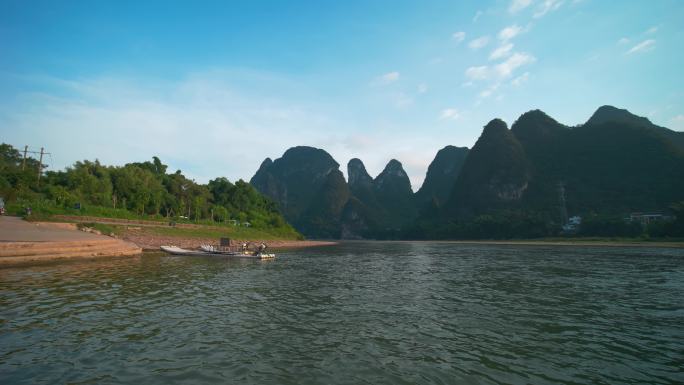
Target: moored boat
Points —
{"points": [[175, 250]]}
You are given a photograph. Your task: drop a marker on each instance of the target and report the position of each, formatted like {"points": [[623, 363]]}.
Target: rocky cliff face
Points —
{"points": [[610, 114], [441, 176], [394, 195], [543, 140], [361, 184], [322, 219], [297, 181], [615, 163], [606, 114], [495, 173], [357, 174]]}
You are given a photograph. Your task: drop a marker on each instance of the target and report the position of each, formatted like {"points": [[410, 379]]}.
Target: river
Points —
{"points": [[358, 312]]}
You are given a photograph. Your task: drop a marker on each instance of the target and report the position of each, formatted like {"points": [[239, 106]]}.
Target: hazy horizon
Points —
{"points": [[214, 90]]}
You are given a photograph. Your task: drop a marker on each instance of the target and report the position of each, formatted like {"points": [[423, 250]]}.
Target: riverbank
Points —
{"points": [[151, 242], [150, 235], [23, 242]]}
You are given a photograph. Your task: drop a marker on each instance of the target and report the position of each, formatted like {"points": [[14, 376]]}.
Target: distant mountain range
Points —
{"points": [[520, 180]]}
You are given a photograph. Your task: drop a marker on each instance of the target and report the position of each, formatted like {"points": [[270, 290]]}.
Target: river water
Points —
{"points": [[359, 312]]}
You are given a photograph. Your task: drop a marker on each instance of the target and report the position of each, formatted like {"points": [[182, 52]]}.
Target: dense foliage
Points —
{"points": [[509, 185], [614, 165], [136, 189]]}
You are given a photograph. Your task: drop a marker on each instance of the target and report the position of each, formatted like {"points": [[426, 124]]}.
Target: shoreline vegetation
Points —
{"points": [[580, 241], [52, 239], [142, 204], [141, 191]]}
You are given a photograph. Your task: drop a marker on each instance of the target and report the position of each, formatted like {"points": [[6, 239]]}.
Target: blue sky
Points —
{"points": [[213, 88]]}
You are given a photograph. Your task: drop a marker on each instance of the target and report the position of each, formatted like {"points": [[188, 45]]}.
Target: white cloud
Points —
{"points": [[191, 122], [386, 79], [517, 5], [422, 88], [644, 46], [458, 36], [547, 6], [487, 92], [677, 123], [623, 41], [506, 69], [509, 32], [449, 114], [479, 42], [652, 30], [501, 51], [477, 73], [477, 16], [520, 80]]}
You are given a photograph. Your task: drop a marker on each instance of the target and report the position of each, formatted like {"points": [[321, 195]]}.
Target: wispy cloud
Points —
{"points": [[499, 71], [477, 73], [509, 32], [449, 114], [489, 91], [518, 5], [191, 121], [652, 30], [623, 41], [644, 46], [520, 80], [506, 69], [458, 36], [547, 6], [501, 51], [386, 79], [422, 88], [478, 43]]}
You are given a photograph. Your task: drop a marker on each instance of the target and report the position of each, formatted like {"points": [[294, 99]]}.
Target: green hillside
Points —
{"points": [[135, 191]]}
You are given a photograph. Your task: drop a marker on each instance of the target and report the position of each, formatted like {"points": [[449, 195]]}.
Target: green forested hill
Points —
{"points": [[512, 182], [496, 174], [135, 190], [308, 187], [441, 176], [508, 185]]}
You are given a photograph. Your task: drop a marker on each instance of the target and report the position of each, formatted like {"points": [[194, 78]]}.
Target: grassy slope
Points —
{"points": [[208, 228], [242, 233]]}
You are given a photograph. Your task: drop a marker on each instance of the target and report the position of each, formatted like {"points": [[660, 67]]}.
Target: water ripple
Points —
{"points": [[357, 313]]}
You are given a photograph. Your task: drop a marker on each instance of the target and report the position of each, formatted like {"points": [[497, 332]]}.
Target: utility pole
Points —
{"points": [[40, 165], [40, 161], [23, 163]]}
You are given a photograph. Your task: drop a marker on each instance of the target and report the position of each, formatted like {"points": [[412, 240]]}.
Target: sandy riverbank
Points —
{"points": [[142, 233], [22, 242]]}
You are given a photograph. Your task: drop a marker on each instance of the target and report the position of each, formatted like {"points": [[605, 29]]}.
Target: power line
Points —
{"points": [[40, 161]]}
